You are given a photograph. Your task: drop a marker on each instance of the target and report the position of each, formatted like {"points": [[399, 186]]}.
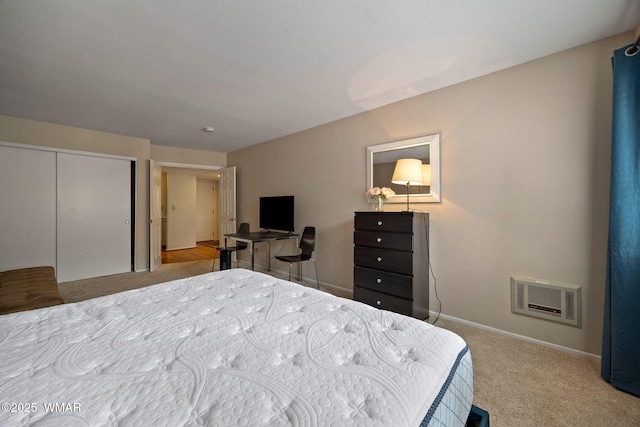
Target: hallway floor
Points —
{"points": [[203, 250]]}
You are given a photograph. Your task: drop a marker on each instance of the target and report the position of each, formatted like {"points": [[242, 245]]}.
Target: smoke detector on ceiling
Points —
{"points": [[208, 129]]}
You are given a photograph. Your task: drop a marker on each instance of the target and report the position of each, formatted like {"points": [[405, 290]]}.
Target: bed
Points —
{"points": [[234, 347]]}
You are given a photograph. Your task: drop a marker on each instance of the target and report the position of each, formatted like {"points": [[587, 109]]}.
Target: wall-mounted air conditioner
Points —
{"points": [[555, 301]]}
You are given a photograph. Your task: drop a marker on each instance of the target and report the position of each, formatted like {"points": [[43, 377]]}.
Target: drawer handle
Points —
{"points": [[379, 258], [379, 222], [379, 239], [379, 281], [379, 302]]}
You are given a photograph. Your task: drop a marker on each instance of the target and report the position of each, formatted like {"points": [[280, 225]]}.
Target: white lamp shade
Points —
{"points": [[426, 174], [407, 172]]}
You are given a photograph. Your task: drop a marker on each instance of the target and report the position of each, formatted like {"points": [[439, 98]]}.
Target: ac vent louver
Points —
{"points": [[554, 301]]}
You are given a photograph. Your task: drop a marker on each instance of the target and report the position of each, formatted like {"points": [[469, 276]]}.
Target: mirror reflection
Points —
{"points": [[381, 162], [384, 164]]}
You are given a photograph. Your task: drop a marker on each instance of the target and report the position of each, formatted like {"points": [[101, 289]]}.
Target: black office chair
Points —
{"points": [[240, 246], [307, 246]]}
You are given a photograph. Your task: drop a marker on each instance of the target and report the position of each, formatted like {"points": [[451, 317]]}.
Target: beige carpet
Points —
{"points": [[517, 382], [80, 290], [525, 384]]}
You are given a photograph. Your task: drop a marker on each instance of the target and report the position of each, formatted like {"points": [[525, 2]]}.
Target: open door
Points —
{"points": [[227, 202], [155, 215]]}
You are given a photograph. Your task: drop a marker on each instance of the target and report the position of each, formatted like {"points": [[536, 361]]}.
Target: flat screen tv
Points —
{"points": [[276, 213]]}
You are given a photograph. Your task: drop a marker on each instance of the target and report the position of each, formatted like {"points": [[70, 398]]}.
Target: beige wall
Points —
{"points": [[32, 132], [525, 169]]}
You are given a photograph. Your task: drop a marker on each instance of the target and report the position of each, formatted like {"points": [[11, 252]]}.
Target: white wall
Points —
{"points": [[525, 169], [181, 211]]}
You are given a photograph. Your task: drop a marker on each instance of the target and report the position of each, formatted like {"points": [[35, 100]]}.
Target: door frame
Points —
{"points": [[152, 234], [155, 236]]}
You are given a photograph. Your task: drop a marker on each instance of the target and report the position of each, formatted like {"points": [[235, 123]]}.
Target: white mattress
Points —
{"points": [[229, 348]]}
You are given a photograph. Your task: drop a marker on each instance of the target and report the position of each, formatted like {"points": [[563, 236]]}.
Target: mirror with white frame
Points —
{"points": [[381, 160]]}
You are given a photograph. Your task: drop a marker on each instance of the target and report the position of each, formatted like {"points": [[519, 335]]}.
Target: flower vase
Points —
{"points": [[378, 205]]}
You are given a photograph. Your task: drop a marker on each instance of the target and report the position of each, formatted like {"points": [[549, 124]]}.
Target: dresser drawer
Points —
{"points": [[380, 281], [383, 259], [379, 239], [395, 222], [382, 301]]}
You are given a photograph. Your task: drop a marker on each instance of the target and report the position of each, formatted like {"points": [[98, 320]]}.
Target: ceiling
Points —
{"points": [[257, 70]]}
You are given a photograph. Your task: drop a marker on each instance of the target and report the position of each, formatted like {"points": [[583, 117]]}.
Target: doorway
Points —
{"points": [[204, 226], [188, 212]]}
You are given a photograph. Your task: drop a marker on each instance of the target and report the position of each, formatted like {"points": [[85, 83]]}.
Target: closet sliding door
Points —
{"points": [[94, 216]]}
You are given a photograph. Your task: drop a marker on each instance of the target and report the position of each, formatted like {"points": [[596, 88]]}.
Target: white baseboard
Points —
{"points": [[180, 248], [520, 337]]}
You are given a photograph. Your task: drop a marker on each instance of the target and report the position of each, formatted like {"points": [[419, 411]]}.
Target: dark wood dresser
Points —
{"points": [[391, 258]]}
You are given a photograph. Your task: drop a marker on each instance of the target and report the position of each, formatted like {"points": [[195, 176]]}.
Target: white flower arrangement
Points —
{"points": [[383, 192]]}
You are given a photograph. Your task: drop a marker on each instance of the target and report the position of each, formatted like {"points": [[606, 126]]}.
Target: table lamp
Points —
{"points": [[408, 172]]}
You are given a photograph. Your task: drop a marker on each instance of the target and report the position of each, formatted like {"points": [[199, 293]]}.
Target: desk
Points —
{"points": [[260, 236]]}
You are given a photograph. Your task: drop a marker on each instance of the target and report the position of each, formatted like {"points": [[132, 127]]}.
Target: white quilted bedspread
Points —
{"points": [[226, 348]]}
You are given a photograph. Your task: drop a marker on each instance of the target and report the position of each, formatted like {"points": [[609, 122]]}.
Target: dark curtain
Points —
{"points": [[621, 335]]}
